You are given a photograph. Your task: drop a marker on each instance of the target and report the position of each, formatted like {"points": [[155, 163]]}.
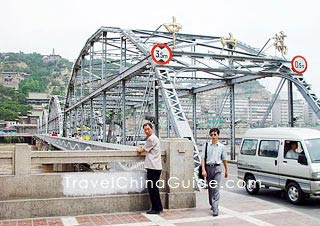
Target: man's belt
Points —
{"points": [[212, 165]]}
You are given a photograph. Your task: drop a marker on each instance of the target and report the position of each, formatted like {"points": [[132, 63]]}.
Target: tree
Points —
{"points": [[12, 102]]}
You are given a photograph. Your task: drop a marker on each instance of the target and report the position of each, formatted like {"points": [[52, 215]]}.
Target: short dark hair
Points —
{"points": [[294, 142], [214, 130], [147, 124]]}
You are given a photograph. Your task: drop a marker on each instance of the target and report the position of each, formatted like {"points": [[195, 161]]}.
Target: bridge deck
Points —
{"points": [[244, 211]]}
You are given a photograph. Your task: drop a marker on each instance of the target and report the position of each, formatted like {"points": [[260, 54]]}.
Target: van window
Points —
{"points": [[292, 149], [313, 146], [249, 147], [269, 148]]}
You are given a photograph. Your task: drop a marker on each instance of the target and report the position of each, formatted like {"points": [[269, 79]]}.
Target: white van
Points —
{"points": [[266, 159]]}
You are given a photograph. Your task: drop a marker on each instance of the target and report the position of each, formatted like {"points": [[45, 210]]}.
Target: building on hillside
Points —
{"points": [[5, 127], [25, 124], [38, 100], [23, 120], [25, 128], [10, 123], [12, 79], [3, 124], [33, 116], [51, 58]]}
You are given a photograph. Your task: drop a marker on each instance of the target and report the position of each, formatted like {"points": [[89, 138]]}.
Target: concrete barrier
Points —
{"points": [[24, 194]]}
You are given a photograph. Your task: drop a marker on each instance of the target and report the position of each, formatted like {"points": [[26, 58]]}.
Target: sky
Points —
{"points": [[65, 25]]}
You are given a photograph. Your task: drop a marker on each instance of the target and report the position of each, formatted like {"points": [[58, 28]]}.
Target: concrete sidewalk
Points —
{"points": [[235, 209]]}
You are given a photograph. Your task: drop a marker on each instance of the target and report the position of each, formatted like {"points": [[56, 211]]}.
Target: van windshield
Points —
{"points": [[313, 146]]}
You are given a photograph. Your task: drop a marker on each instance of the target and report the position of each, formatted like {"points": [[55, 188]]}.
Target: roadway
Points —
{"points": [[311, 206]]}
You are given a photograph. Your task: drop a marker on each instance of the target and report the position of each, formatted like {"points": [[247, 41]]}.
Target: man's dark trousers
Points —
{"points": [[152, 177]]}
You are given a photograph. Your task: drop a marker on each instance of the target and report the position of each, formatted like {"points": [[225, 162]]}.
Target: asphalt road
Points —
{"points": [[310, 206]]}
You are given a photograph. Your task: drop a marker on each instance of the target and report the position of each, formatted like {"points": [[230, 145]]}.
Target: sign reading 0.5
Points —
{"points": [[299, 64], [161, 53]]}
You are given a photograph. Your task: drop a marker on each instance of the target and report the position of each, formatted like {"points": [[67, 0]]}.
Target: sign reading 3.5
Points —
{"points": [[161, 53]]}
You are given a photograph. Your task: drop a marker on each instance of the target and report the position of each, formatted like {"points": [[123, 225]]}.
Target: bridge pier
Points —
{"points": [[179, 166]]}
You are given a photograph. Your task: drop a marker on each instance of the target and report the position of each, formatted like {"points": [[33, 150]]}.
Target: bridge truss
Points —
{"points": [[52, 120], [116, 84]]}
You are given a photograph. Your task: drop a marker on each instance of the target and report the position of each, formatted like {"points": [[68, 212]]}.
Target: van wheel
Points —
{"points": [[252, 186], [294, 193]]}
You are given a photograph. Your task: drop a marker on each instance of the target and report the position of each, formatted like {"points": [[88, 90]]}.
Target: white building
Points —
{"points": [[280, 112], [247, 110], [310, 118]]}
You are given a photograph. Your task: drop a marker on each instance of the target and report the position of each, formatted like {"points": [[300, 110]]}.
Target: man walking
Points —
{"points": [[153, 166], [211, 168]]}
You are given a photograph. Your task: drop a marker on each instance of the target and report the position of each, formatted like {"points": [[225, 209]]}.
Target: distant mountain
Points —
{"points": [[21, 73], [252, 89], [44, 73]]}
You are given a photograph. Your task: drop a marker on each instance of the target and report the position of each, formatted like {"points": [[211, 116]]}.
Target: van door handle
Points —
{"points": [[285, 161], [275, 162]]}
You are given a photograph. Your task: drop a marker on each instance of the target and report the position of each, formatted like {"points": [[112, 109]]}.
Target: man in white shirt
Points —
{"points": [[153, 165], [292, 153]]}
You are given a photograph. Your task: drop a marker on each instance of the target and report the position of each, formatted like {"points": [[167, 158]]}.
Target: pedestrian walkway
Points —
{"points": [[235, 209]]}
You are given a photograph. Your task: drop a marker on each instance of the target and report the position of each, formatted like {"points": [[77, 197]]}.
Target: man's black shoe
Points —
{"points": [[153, 212], [215, 214]]}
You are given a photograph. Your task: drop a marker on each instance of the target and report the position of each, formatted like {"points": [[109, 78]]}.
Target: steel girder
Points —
{"points": [[43, 122], [118, 61], [55, 115]]}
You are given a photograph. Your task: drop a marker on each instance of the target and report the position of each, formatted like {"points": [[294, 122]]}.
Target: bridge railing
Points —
{"points": [[73, 144], [20, 160], [55, 189]]}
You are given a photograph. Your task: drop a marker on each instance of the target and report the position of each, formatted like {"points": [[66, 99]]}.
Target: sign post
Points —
{"points": [[299, 64], [161, 53]]}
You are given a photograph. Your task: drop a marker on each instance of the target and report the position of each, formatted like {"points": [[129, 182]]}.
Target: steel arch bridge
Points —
{"points": [[43, 122], [52, 120], [114, 79]]}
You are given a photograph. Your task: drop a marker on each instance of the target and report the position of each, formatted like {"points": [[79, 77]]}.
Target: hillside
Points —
{"points": [[29, 73], [44, 74]]}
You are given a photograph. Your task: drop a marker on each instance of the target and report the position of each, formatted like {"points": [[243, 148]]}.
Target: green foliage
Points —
{"points": [[35, 65], [42, 79], [12, 104], [56, 92], [9, 93], [34, 84], [42, 73]]}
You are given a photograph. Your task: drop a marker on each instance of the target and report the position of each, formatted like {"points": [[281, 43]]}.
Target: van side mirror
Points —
{"points": [[302, 159]]}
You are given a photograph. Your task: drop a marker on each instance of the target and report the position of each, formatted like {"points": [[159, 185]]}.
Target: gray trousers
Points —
{"points": [[214, 174]]}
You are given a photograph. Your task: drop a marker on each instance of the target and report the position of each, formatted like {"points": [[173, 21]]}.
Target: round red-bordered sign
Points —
{"points": [[299, 64], [161, 53]]}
